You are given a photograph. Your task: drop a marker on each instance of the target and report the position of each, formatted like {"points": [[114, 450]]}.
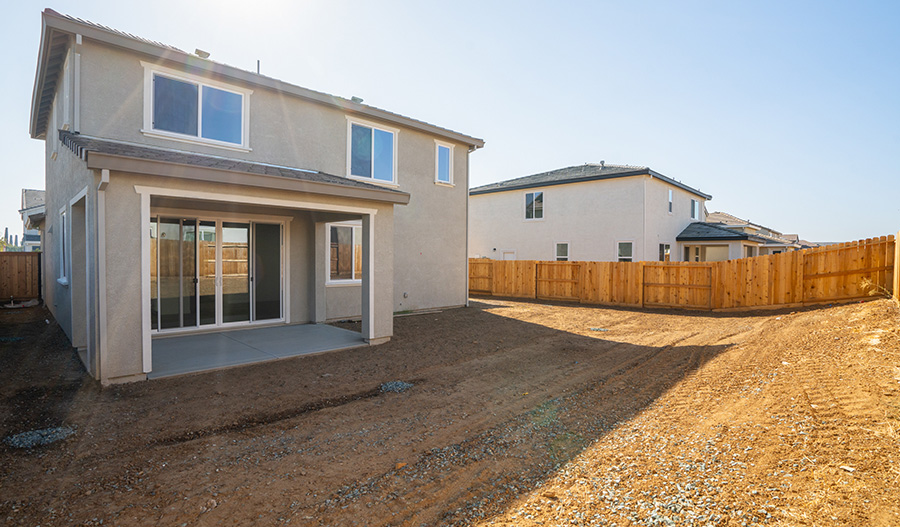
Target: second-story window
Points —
{"points": [[372, 152], [197, 110], [193, 109], [670, 201], [695, 209], [443, 169], [534, 205]]}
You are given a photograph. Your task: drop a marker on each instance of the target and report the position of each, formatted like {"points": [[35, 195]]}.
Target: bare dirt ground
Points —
{"points": [[520, 414]]}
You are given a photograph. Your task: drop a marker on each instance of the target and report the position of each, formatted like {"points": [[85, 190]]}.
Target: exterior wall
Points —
{"points": [[65, 177], [285, 130], [592, 217], [663, 226], [123, 359]]}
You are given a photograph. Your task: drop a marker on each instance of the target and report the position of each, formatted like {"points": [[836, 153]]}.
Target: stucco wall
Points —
{"points": [[124, 275], [591, 216], [430, 243]]}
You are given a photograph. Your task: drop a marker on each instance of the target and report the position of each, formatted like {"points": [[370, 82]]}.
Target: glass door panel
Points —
{"points": [[266, 271], [154, 282], [169, 273], [189, 273], [206, 263], [235, 272]]}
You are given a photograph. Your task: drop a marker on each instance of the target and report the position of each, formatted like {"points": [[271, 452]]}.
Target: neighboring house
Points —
{"points": [[185, 195], [591, 212], [32, 213], [727, 237]]}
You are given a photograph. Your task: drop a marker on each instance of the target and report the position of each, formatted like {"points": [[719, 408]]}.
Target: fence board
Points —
{"points": [[827, 274], [19, 276]]}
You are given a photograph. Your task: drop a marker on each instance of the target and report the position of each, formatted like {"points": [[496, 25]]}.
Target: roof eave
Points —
{"points": [[55, 21], [477, 191], [680, 185], [98, 160]]}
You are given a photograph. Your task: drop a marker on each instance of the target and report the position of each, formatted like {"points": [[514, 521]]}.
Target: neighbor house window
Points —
{"points": [[344, 252], [372, 152], [443, 164], [665, 252], [562, 252], [534, 205], [695, 209], [186, 107], [625, 252], [670, 201]]}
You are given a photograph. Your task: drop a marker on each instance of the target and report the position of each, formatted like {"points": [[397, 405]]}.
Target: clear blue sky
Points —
{"points": [[787, 112]]}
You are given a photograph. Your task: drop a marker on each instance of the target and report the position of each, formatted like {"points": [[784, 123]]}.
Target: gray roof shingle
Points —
{"points": [[579, 174], [82, 145]]}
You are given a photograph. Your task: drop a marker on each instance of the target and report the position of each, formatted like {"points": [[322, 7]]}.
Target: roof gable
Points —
{"points": [[580, 174], [56, 35]]}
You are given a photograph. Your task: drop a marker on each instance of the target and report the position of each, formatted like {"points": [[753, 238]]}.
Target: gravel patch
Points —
{"points": [[396, 386], [39, 437]]}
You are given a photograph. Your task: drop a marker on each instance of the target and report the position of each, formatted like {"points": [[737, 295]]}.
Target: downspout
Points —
{"points": [[644, 222], [468, 153], [101, 269]]}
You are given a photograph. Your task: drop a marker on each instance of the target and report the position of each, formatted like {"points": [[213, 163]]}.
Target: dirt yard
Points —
{"points": [[519, 414]]}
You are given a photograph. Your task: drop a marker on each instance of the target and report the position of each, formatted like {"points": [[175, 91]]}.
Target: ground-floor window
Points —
{"points": [[212, 272], [562, 252], [344, 241], [665, 251], [625, 252]]}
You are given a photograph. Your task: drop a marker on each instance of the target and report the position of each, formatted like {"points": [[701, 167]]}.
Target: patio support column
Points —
{"points": [[321, 275], [368, 276]]}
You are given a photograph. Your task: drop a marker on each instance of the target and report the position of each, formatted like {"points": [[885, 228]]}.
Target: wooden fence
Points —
{"points": [[20, 276], [834, 273]]}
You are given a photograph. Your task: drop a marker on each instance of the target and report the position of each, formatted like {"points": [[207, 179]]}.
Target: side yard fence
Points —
{"points": [[835, 273], [20, 276]]}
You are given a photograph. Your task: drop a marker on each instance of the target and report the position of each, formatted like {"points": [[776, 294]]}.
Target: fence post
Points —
{"points": [[641, 283], [897, 267]]}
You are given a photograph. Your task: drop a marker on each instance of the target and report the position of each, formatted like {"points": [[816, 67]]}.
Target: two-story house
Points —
{"points": [[185, 197], [591, 212]]}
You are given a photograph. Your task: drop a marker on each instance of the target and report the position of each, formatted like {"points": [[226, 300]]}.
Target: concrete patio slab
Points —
{"points": [[211, 351]]}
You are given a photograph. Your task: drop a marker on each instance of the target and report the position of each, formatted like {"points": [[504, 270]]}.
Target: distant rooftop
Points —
{"points": [[580, 174]]}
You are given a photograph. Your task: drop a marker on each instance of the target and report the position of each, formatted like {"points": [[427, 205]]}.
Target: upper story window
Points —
{"points": [[372, 151], [189, 108], [443, 163], [695, 209], [534, 205], [670, 201]]}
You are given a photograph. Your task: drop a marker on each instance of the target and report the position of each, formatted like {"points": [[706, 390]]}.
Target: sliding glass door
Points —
{"points": [[214, 273]]}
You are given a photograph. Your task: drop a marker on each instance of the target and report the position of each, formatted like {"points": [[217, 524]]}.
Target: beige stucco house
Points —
{"points": [[185, 196], [592, 212]]}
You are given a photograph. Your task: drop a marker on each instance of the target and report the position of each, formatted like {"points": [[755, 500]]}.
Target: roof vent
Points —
{"points": [[602, 164], [202, 54], [356, 99]]}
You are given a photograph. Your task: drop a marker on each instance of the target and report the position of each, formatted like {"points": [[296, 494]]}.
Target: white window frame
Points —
{"points": [[353, 226], [695, 209], [437, 169], [556, 257], [669, 245], [152, 69], [375, 126], [671, 198], [619, 258], [525, 205], [64, 247]]}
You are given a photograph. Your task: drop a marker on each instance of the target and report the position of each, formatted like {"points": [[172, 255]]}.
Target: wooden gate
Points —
{"points": [[558, 281], [20, 276], [481, 276], [675, 284]]}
